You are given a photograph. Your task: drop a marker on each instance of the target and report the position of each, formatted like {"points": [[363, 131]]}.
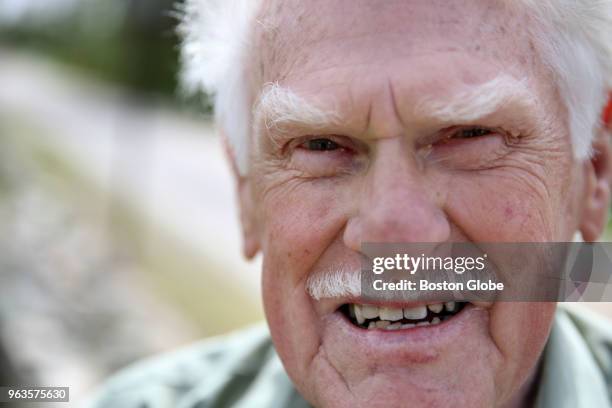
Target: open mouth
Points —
{"points": [[387, 318]]}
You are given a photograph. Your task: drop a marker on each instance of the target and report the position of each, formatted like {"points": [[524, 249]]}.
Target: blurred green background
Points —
{"points": [[129, 42], [119, 229]]}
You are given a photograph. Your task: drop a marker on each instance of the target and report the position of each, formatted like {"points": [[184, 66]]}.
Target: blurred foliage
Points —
{"points": [[130, 42]]}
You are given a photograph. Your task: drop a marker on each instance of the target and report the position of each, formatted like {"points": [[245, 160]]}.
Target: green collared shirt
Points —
{"points": [[577, 366], [242, 370]]}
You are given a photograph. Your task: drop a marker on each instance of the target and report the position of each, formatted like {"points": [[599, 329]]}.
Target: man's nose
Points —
{"points": [[396, 201]]}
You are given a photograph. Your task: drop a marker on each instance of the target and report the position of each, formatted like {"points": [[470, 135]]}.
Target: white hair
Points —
{"points": [[578, 50], [216, 37], [338, 282], [278, 107], [476, 102], [574, 37]]}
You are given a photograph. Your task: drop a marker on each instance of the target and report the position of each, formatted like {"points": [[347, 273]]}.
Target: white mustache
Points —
{"points": [[334, 283]]}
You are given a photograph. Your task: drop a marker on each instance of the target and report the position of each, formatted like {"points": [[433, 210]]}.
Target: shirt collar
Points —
{"points": [[570, 374]]}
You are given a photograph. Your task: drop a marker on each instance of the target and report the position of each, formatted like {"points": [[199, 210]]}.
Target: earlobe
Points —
{"points": [[595, 214], [607, 114], [250, 246], [598, 179], [250, 241]]}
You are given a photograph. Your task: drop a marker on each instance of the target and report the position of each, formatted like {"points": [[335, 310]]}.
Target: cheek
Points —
{"points": [[501, 209], [299, 224], [520, 331]]}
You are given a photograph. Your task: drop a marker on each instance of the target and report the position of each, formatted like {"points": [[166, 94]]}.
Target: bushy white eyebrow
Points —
{"points": [[279, 106], [479, 101]]}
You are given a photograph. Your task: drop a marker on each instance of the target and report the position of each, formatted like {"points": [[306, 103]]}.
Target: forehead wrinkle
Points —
{"points": [[482, 100]]}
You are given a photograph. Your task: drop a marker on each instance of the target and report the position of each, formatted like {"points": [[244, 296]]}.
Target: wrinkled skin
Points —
{"points": [[372, 62]]}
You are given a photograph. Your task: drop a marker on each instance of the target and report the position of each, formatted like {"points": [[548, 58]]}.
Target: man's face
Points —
{"points": [[393, 165]]}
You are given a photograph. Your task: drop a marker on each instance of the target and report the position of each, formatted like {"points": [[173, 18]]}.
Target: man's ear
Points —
{"points": [[250, 237], [598, 180]]}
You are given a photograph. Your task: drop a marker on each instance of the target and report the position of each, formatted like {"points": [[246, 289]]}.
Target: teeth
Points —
{"points": [[352, 311], [391, 314], [415, 313], [359, 314], [370, 312], [390, 318], [381, 324], [436, 307]]}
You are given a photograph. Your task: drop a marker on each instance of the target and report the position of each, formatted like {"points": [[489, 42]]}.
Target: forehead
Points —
{"points": [[339, 42]]}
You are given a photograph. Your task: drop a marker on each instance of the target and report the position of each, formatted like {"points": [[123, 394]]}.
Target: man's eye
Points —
{"points": [[320, 145], [471, 132]]}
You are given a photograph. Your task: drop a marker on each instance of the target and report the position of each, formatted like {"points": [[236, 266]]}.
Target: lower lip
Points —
{"points": [[415, 345]]}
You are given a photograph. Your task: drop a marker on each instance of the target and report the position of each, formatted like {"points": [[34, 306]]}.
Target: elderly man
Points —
{"points": [[353, 121]]}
